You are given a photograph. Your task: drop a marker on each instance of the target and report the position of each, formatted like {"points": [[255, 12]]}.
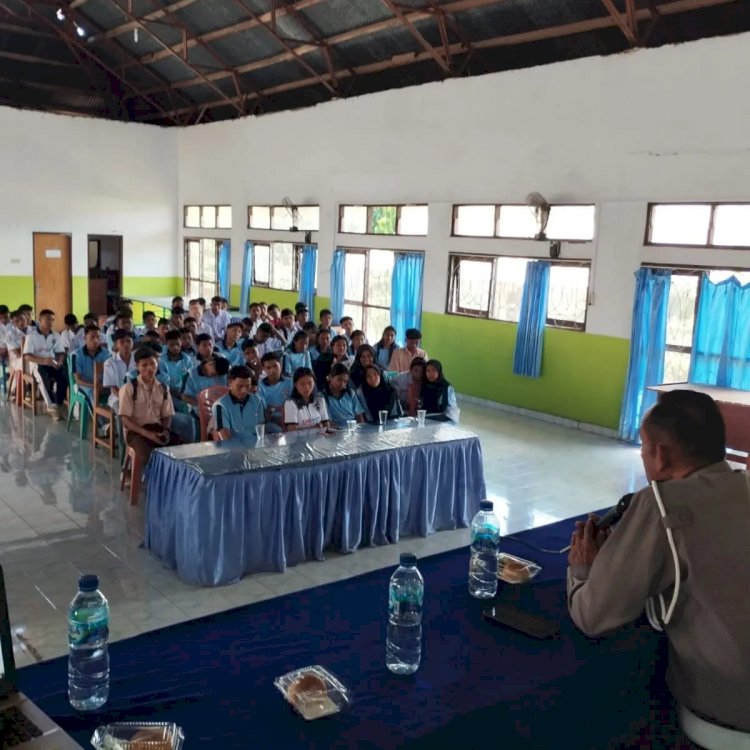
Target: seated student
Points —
{"points": [[28, 312], [326, 319], [323, 364], [274, 315], [149, 323], [301, 316], [402, 357], [146, 409], [123, 321], [274, 390], [4, 323], [177, 318], [201, 324], [211, 372], [44, 350], [312, 334], [385, 347], [162, 328], [303, 410], [252, 359], [85, 359], [241, 410], [217, 318], [117, 367], [341, 400], [178, 303], [408, 386], [376, 395], [204, 347], [248, 329], [177, 365], [288, 327], [357, 339], [682, 540], [364, 357], [15, 335], [437, 395], [263, 311], [186, 344], [191, 326], [296, 354], [229, 346], [254, 318], [322, 346], [266, 340], [347, 328], [69, 335]]}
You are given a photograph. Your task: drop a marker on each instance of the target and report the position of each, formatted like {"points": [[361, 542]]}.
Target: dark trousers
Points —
{"points": [[55, 382], [143, 446]]}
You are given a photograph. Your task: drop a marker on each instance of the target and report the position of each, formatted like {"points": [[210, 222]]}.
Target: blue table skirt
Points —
{"points": [[215, 529], [478, 686]]}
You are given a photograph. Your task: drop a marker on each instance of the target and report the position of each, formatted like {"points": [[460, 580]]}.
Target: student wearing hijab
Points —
{"points": [[343, 404], [376, 395], [364, 357], [385, 347], [438, 396]]}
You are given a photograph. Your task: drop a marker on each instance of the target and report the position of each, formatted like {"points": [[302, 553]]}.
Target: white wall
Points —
{"points": [[620, 131], [86, 176]]}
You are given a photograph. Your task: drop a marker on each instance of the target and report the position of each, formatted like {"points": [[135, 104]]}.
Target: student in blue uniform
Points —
{"points": [[385, 347], [186, 344], [211, 372], [177, 365], [296, 354], [85, 359], [323, 345], [204, 348], [229, 346], [357, 340], [241, 410], [274, 390], [252, 359], [341, 400]]}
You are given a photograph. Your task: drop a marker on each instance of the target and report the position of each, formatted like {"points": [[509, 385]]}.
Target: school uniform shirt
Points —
{"points": [[384, 356], [239, 417], [235, 355], [275, 396], [84, 363], [151, 404], [217, 324], [176, 370], [293, 361], [402, 382], [307, 416], [314, 353], [401, 359], [3, 326], [14, 340], [70, 340], [344, 407], [195, 382], [288, 334], [39, 345], [269, 345], [115, 371]]}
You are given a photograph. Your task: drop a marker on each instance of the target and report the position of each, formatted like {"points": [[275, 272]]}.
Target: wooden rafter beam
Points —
{"points": [[154, 15], [36, 60], [414, 31], [632, 19], [551, 32], [621, 21]]}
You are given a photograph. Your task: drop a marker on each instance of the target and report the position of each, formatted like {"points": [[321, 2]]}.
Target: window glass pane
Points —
{"points": [[355, 312], [208, 217], [680, 224], [261, 264], [383, 220], [510, 275], [224, 217], [208, 268], [260, 217], [379, 281], [193, 259], [732, 225], [354, 277], [354, 219], [517, 221], [474, 279], [568, 292], [309, 218], [474, 221], [281, 218], [282, 269], [193, 290], [571, 223], [192, 216], [676, 366], [413, 220], [376, 319], [683, 291]]}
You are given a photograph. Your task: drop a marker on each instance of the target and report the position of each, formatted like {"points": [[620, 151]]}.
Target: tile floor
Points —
{"points": [[61, 512]]}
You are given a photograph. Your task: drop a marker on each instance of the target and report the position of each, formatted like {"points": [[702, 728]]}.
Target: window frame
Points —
{"points": [[270, 217], [200, 207], [455, 258], [370, 208], [186, 267], [365, 304], [709, 245], [296, 259], [496, 236]]}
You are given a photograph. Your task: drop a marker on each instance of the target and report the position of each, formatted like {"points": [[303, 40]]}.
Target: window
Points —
{"points": [[367, 290], [571, 223], [305, 218], [699, 224], [208, 217], [487, 286], [277, 265], [406, 220], [201, 268]]}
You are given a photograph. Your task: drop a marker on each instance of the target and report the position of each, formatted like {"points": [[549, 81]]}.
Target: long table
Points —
{"points": [[218, 511], [478, 686]]}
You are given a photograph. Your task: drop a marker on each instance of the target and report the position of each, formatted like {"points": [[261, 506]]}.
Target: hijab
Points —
{"points": [[357, 372], [435, 395], [377, 399]]}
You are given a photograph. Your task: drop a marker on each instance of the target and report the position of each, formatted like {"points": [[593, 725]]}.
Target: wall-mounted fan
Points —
{"points": [[539, 206], [293, 212]]}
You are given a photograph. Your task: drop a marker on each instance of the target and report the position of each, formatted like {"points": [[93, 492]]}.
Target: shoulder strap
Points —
{"points": [[134, 383]]}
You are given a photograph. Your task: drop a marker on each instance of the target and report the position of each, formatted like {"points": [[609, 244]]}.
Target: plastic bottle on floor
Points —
{"points": [[485, 544], [403, 651], [88, 637]]}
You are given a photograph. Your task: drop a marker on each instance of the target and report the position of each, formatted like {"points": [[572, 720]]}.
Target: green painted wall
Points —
{"points": [[583, 376], [149, 286], [16, 290], [80, 296]]}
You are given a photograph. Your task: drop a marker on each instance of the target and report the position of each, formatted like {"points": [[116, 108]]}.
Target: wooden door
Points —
{"points": [[53, 281]]}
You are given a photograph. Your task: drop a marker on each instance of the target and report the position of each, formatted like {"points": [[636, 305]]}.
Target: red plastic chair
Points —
{"points": [[206, 399]]}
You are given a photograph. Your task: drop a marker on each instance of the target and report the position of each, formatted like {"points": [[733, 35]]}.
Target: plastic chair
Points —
{"points": [[206, 399], [102, 410], [76, 397], [133, 465]]}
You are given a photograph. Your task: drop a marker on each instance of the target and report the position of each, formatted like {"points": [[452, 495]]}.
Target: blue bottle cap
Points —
{"points": [[88, 582], [486, 505], [408, 558]]}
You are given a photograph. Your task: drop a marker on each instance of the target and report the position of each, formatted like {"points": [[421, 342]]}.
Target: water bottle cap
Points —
{"points": [[486, 505], [408, 558], [88, 583]]}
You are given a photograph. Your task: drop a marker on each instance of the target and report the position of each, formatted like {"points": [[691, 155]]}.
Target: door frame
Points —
{"points": [[69, 235]]}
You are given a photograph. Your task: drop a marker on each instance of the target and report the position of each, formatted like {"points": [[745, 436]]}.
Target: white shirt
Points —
{"points": [[14, 340], [2, 335], [115, 372], [271, 344], [39, 345], [70, 340], [217, 323], [307, 416]]}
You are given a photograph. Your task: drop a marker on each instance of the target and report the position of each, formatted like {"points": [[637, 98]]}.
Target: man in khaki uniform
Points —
{"points": [[695, 514]]}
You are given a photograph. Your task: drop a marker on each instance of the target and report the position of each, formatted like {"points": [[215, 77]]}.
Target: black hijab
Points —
{"points": [[377, 399], [435, 395]]}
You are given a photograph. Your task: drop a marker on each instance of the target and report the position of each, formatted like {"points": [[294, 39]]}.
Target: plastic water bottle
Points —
{"points": [[88, 636], [485, 544], [403, 650]]}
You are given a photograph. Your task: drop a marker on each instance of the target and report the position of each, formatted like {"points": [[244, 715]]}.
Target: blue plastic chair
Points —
{"points": [[76, 397]]}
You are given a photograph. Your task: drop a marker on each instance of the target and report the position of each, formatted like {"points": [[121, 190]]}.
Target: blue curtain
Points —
{"points": [[648, 341], [308, 274], [721, 340], [224, 253], [338, 274], [527, 359], [406, 293], [247, 277]]}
